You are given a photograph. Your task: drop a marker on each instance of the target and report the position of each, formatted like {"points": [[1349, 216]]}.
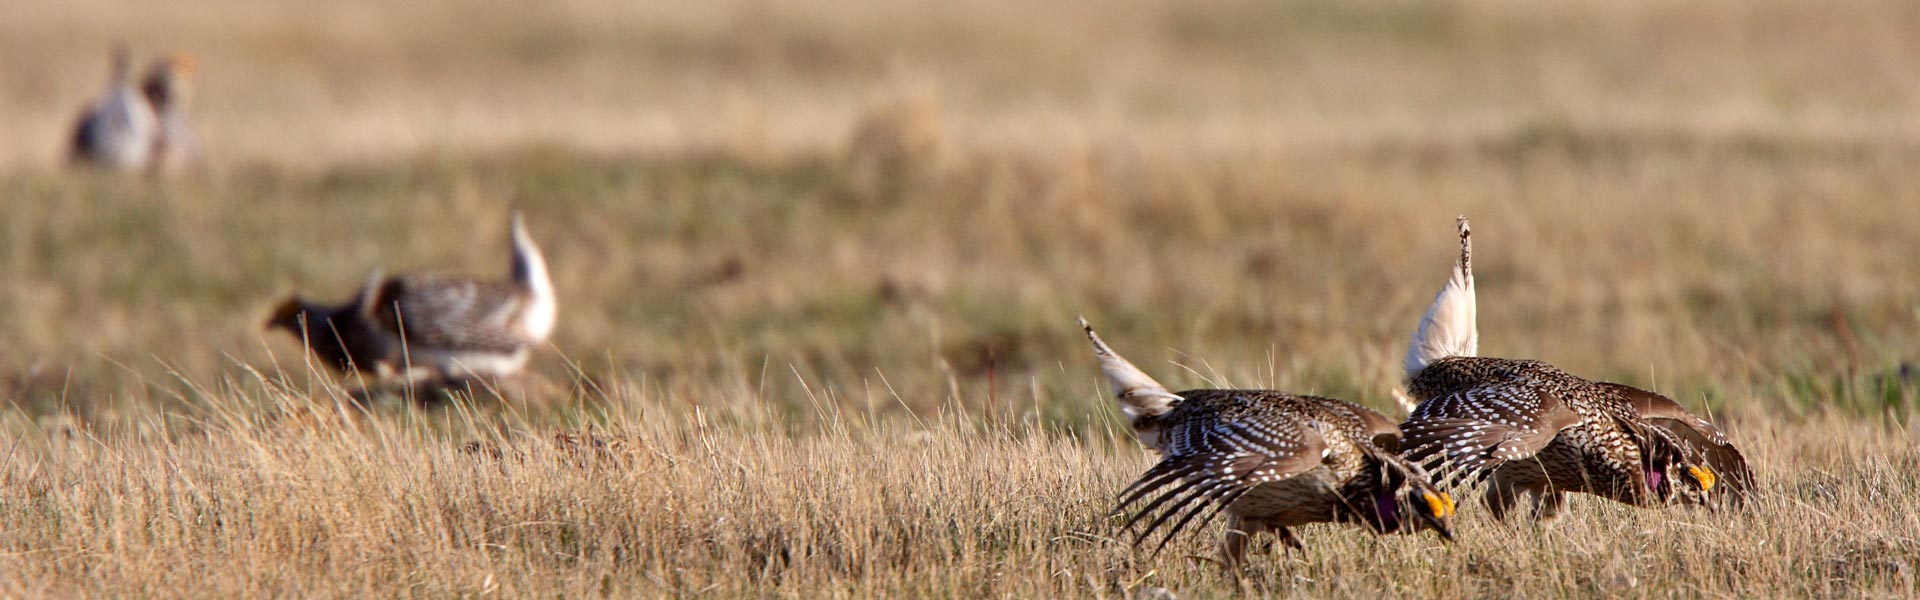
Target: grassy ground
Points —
{"points": [[819, 268], [677, 505]]}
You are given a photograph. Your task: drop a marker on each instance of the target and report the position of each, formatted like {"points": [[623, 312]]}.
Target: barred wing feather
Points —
{"points": [[1465, 435], [1211, 463]]}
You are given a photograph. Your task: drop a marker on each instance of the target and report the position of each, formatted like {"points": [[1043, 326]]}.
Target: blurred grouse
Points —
{"points": [[442, 326], [118, 129]]}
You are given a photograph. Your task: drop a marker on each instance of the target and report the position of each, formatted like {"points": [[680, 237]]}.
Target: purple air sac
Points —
{"points": [[1657, 479], [1388, 510]]}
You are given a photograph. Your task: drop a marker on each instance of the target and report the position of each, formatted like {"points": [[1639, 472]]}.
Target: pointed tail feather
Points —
{"points": [[530, 273], [1139, 394], [1466, 247], [529, 265], [1449, 327]]}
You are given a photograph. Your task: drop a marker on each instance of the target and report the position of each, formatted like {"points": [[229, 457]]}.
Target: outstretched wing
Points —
{"points": [[1210, 463], [1463, 436], [1719, 452], [451, 313]]}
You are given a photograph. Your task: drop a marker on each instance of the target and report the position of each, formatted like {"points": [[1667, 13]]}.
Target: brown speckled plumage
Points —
{"points": [[1270, 461], [1702, 442], [1526, 427], [1531, 427]]}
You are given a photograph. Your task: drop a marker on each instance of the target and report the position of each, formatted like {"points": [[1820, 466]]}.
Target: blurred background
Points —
{"points": [[901, 206]]}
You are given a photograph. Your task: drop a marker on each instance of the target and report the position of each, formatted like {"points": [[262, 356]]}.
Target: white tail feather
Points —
{"points": [[1139, 394], [1449, 328], [530, 271]]}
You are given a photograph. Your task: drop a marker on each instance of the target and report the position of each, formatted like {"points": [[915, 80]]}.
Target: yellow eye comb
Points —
{"points": [[1440, 506], [1702, 475]]}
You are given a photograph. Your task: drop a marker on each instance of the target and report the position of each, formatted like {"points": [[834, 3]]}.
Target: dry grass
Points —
{"points": [[819, 268], [678, 504]]}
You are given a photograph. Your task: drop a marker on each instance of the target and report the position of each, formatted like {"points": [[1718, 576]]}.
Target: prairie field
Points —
{"points": [[819, 265]]}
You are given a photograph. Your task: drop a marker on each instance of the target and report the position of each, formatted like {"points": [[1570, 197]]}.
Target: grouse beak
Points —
{"points": [[1439, 508]]}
